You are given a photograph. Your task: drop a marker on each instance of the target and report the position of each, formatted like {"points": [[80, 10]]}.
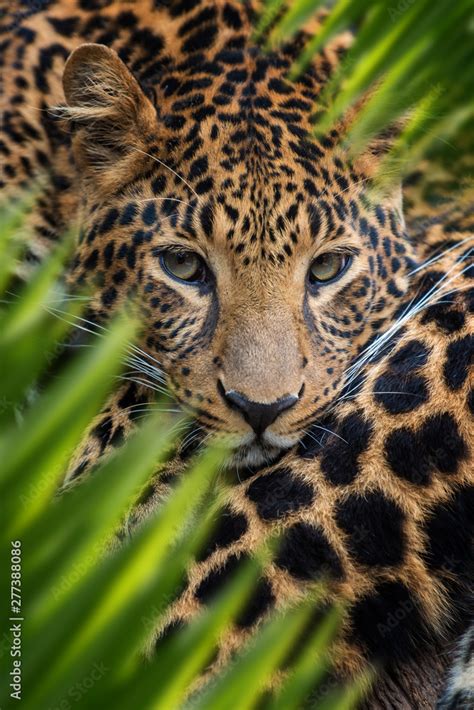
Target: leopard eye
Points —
{"points": [[183, 265], [328, 267]]}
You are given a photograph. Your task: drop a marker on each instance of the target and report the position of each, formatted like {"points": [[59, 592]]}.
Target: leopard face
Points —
{"points": [[260, 262]]}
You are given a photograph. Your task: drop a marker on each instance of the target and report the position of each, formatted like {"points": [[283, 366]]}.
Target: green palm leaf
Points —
{"points": [[417, 54]]}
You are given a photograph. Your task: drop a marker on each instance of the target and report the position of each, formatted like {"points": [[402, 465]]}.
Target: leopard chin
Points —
{"points": [[254, 452], [252, 456]]}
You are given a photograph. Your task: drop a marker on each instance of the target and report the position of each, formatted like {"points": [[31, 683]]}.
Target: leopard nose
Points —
{"points": [[258, 414]]}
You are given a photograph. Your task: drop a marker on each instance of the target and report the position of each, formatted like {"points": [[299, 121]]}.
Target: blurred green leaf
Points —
{"points": [[309, 667], [35, 454], [178, 661], [412, 58], [256, 663], [12, 235]]}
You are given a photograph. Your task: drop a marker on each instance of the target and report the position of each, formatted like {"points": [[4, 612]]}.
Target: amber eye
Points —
{"points": [[328, 267], [183, 265]]}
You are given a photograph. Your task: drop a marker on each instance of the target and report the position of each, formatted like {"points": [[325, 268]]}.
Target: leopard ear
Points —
{"points": [[377, 164], [380, 145], [110, 113]]}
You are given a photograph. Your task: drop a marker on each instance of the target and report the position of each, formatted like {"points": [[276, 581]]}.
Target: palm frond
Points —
{"points": [[411, 60]]}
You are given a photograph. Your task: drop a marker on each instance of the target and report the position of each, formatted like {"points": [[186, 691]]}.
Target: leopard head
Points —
{"points": [[262, 263]]}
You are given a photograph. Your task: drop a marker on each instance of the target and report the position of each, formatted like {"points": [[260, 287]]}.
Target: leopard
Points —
{"points": [[309, 318]]}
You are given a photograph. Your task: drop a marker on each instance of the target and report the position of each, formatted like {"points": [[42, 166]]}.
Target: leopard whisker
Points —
{"points": [[139, 381], [157, 387], [309, 433], [427, 299], [149, 410], [329, 431], [58, 314], [313, 425], [160, 199], [191, 437], [146, 368], [142, 354], [433, 259]]}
